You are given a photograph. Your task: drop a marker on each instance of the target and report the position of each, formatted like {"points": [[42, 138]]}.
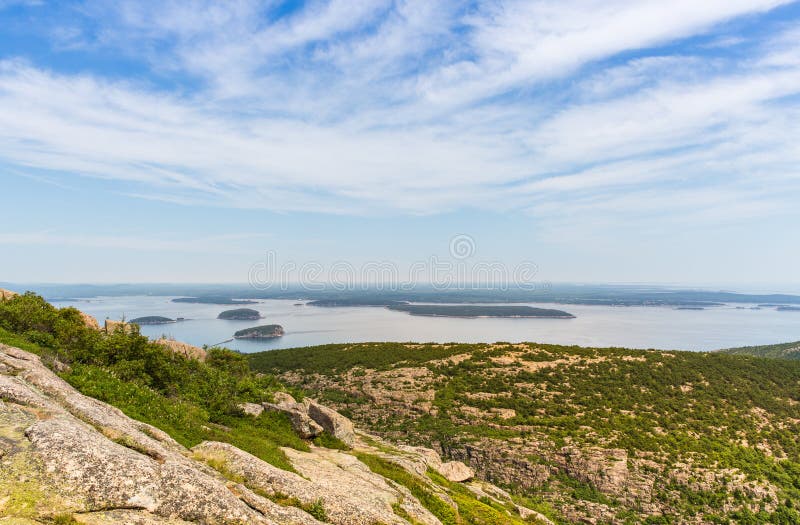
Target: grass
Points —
{"points": [[186, 422], [438, 507]]}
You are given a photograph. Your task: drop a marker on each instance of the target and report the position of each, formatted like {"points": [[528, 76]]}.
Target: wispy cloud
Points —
{"points": [[420, 106]]}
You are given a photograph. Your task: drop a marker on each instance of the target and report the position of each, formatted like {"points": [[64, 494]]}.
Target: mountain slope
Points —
{"points": [[778, 351], [613, 435]]}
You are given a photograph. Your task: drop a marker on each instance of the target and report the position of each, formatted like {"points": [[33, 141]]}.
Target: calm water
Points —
{"points": [[634, 327]]}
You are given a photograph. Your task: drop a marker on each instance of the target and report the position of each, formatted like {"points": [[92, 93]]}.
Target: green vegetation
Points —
{"points": [[463, 310], [328, 441], [152, 319], [190, 400], [778, 351], [446, 514], [470, 510], [267, 331], [240, 314], [439, 310], [354, 301], [707, 411]]}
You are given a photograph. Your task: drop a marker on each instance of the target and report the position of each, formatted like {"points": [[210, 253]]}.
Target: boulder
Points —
{"points": [[302, 424], [284, 400], [456, 471], [184, 349], [251, 409], [333, 422]]}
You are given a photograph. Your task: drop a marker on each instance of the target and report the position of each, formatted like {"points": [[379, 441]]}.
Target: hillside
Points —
{"points": [[100, 428], [780, 351], [597, 435]]}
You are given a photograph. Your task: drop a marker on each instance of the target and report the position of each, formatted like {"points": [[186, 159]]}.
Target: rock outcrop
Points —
{"points": [[111, 326], [90, 321], [456, 471], [608, 470], [251, 409], [186, 350], [350, 493], [333, 422], [302, 423], [7, 294], [65, 453]]}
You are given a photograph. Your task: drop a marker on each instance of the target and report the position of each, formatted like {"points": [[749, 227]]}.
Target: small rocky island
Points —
{"points": [[240, 314], [269, 331], [152, 319]]}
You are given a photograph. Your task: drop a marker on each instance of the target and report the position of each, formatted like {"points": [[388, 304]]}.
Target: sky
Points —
{"points": [[604, 141]]}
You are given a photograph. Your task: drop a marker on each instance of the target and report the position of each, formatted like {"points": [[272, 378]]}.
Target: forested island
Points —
{"points": [[448, 310], [463, 310], [152, 319], [268, 331], [240, 314], [212, 300], [355, 301]]}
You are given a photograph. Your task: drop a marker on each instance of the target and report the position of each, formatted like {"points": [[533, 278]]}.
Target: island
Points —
{"points": [[152, 319], [461, 310], [355, 301], [212, 300], [269, 331], [240, 314]]}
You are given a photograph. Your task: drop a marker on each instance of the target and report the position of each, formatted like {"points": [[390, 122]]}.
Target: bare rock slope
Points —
{"points": [[64, 455]]}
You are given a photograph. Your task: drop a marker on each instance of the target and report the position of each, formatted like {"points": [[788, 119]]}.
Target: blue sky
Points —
{"points": [[624, 141]]}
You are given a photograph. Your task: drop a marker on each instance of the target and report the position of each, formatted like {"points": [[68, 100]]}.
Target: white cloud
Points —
{"points": [[372, 106]]}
